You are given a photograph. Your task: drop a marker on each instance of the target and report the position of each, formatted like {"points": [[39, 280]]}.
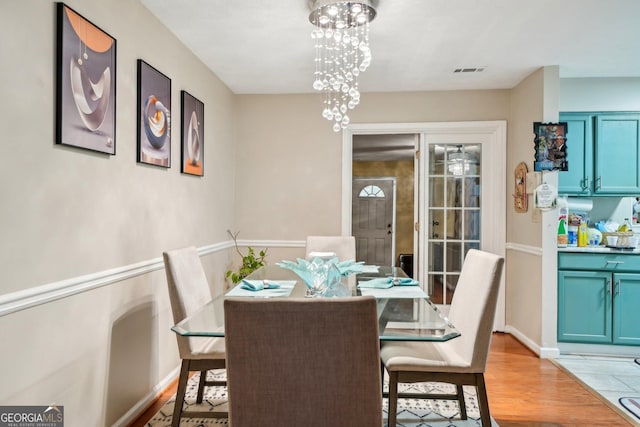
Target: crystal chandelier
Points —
{"points": [[342, 52]]}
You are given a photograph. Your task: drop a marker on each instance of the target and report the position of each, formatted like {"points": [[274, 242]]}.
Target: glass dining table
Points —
{"points": [[405, 313]]}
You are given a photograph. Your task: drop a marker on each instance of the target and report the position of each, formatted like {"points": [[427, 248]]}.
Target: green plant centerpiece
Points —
{"points": [[250, 262]]}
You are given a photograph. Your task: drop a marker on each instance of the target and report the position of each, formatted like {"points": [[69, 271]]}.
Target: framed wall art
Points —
{"points": [[85, 83], [550, 146], [192, 135], [154, 116]]}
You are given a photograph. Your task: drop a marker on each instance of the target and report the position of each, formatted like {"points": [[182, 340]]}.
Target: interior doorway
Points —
{"points": [[470, 203]]}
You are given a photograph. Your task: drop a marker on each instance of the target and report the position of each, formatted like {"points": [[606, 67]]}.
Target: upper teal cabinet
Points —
{"points": [[603, 154], [578, 179]]}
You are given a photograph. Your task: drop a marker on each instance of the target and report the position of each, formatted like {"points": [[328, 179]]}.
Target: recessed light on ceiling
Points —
{"points": [[469, 70]]}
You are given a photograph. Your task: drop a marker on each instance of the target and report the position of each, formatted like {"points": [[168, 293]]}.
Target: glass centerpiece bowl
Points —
{"points": [[323, 278]]}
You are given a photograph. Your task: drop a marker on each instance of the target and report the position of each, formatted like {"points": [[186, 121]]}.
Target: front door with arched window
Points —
{"points": [[373, 219]]}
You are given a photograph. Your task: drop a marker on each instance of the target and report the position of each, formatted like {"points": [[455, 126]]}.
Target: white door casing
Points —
{"points": [[492, 136]]}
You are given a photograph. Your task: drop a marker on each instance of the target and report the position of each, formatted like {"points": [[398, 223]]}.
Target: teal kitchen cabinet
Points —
{"points": [[577, 180], [584, 306], [598, 297], [626, 315], [603, 154]]}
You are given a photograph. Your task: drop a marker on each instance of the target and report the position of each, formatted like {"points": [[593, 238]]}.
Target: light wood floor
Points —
{"points": [[523, 391]]}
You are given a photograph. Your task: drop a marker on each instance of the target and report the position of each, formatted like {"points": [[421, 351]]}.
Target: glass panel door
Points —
{"points": [[453, 214]]}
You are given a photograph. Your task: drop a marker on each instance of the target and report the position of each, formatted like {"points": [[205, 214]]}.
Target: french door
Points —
{"points": [[453, 211], [462, 195]]}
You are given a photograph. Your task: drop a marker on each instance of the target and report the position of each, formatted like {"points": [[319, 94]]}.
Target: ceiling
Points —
{"points": [[264, 47]]}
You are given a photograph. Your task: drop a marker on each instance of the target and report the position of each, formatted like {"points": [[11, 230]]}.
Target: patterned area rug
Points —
{"points": [[411, 412]]}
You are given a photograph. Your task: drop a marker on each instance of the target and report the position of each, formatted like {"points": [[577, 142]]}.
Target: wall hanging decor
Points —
{"points": [[154, 116], [545, 197], [550, 146], [192, 135], [520, 194], [85, 83]]}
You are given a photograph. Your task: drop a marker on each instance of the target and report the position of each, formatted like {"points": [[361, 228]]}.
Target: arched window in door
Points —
{"points": [[371, 191]]}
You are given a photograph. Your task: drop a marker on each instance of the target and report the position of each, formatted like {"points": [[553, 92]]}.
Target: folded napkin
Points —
{"points": [[387, 282], [370, 268], [258, 285], [349, 267]]}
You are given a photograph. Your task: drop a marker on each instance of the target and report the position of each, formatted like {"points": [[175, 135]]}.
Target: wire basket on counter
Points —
{"points": [[623, 238]]}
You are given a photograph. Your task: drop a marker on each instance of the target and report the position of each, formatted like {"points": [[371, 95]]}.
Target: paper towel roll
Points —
{"points": [[580, 204]]}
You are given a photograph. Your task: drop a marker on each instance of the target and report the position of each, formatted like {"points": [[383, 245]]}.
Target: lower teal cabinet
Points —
{"points": [[626, 312], [584, 306], [598, 307]]}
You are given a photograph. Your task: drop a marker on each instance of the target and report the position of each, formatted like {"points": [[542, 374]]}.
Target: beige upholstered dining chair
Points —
{"points": [[343, 246], [189, 291], [462, 360], [310, 362]]}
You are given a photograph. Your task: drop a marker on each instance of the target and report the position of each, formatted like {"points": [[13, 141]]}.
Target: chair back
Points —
{"points": [[188, 289], [473, 308], [343, 246], [303, 362]]}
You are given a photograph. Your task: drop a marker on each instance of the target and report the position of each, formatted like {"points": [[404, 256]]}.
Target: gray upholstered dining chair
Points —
{"points": [[462, 360], [310, 362], [343, 246], [189, 291]]}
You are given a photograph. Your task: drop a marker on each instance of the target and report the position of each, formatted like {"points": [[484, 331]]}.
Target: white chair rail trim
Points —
{"points": [[21, 300], [528, 249]]}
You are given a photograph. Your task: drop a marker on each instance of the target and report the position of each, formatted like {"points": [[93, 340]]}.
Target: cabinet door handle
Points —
{"points": [[585, 184], [609, 286], [615, 262], [617, 287], [598, 183]]}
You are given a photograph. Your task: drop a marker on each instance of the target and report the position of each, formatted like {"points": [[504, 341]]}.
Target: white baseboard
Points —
{"points": [[542, 352]]}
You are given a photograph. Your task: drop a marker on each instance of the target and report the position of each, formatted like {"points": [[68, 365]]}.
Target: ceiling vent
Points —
{"points": [[469, 70]]}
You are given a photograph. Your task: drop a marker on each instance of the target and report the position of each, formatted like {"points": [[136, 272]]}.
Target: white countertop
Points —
{"points": [[599, 249]]}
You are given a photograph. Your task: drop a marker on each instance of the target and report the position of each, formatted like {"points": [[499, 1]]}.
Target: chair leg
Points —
{"points": [[201, 383], [461, 404], [483, 401], [182, 389], [393, 398]]}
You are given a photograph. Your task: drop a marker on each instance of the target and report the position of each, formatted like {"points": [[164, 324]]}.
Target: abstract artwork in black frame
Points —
{"points": [[192, 135], [154, 116], [85, 84]]}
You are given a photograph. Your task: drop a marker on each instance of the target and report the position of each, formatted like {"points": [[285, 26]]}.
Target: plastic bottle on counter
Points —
{"points": [[563, 211], [583, 238], [572, 236], [562, 233]]}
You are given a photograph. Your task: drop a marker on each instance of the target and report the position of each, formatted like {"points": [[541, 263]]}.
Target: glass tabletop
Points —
{"points": [[402, 315]]}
